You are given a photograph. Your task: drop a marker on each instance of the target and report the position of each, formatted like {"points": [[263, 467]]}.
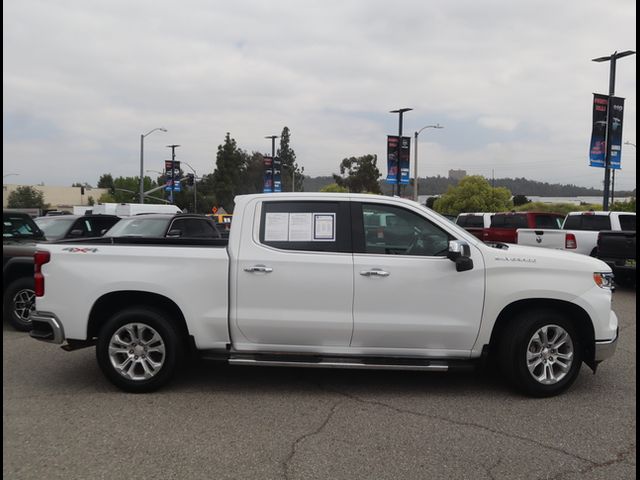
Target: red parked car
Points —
{"points": [[504, 225]]}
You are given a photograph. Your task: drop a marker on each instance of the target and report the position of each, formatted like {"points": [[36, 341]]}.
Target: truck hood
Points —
{"points": [[544, 258]]}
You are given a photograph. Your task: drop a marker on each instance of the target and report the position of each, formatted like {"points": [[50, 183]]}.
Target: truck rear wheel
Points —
{"points": [[18, 303], [541, 353], [139, 350]]}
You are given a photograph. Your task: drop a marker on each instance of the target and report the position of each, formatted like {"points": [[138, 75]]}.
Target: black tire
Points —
{"points": [[19, 302], [132, 352], [520, 334]]}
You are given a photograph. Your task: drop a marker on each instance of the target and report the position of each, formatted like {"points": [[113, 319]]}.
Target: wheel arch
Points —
{"points": [[107, 305], [576, 314], [16, 268]]}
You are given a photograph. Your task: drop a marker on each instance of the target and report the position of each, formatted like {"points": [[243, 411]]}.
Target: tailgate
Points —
{"points": [[619, 244], [541, 238]]}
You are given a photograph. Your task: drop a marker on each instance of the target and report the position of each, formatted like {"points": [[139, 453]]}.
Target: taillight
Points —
{"points": [[570, 241], [40, 258]]}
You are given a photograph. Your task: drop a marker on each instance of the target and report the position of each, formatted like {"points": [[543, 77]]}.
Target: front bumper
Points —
{"points": [[46, 327], [605, 348]]}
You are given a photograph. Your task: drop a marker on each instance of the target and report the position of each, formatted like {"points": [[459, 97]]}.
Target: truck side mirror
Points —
{"points": [[175, 233], [75, 233], [460, 253]]}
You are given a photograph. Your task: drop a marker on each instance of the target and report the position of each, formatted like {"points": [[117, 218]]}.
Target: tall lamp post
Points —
{"points": [[400, 112], [195, 183], [141, 196], [612, 86], [415, 159]]}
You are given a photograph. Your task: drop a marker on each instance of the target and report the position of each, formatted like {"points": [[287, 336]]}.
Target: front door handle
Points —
{"points": [[374, 272], [258, 269]]}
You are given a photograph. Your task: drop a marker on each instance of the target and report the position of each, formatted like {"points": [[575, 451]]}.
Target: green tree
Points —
{"points": [[26, 197], [227, 177], [91, 201], [105, 181], [333, 188], [362, 174], [289, 166], [629, 206], [473, 194], [520, 200]]}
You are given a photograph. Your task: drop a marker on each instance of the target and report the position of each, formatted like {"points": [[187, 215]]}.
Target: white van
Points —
{"points": [[128, 209]]}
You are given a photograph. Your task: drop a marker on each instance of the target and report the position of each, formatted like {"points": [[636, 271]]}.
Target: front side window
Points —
{"points": [[391, 230]]}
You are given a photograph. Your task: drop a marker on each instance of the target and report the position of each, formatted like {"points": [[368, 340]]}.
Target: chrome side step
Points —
{"points": [[433, 366]]}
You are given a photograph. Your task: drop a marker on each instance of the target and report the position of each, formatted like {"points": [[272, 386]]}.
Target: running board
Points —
{"points": [[429, 366]]}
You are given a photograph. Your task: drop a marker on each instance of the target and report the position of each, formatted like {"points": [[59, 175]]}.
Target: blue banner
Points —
{"points": [[268, 175], [604, 125], [393, 150]]}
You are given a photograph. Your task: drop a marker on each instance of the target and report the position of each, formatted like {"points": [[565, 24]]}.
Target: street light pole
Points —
{"points": [[195, 183], [141, 196], [415, 160], [399, 111], [612, 86], [173, 171]]}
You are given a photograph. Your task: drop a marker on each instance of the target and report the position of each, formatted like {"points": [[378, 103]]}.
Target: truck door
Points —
{"points": [[294, 277], [409, 298]]}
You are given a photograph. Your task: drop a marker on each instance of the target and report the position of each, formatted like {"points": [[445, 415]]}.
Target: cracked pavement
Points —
{"points": [[62, 419]]}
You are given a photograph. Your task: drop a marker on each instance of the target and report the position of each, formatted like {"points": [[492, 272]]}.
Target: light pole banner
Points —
{"points": [[277, 176], [268, 175], [598, 131], [392, 159], [405, 146], [617, 110]]}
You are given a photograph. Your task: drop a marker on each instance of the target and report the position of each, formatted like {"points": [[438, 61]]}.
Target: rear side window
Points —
{"points": [[548, 221], [628, 222], [306, 226], [475, 221], [509, 221], [588, 222]]}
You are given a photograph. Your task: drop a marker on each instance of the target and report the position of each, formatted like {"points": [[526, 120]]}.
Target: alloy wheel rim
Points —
{"points": [[137, 351], [550, 354], [24, 302]]}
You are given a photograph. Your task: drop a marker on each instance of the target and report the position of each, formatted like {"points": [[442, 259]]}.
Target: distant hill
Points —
{"points": [[518, 186]]}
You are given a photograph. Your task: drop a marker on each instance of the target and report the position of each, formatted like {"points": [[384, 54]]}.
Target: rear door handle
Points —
{"points": [[374, 272], [258, 269]]}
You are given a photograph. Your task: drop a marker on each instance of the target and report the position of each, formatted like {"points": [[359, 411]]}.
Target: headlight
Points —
{"points": [[603, 280]]}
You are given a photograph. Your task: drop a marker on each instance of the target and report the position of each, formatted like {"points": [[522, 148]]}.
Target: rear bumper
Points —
{"points": [[46, 327]]}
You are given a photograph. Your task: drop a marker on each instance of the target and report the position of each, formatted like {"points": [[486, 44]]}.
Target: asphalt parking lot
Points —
{"points": [[62, 419]]}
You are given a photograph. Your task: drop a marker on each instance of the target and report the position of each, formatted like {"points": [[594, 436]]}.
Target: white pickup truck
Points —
{"points": [[579, 232], [307, 279]]}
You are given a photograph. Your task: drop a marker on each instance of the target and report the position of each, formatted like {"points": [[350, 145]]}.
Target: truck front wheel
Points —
{"points": [[541, 353], [139, 350]]}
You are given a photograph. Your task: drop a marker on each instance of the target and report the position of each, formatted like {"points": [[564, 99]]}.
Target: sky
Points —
{"points": [[511, 82]]}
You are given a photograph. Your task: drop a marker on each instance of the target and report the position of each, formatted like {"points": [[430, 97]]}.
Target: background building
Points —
{"points": [[457, 174]]}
